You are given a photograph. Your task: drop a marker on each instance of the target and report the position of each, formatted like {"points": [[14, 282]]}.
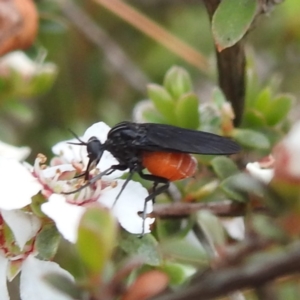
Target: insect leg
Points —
{"points": [[156, 191], [108, 171], [131, 172]]}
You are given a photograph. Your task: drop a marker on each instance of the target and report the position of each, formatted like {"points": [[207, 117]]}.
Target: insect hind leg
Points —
{"points": [[155, 192]]}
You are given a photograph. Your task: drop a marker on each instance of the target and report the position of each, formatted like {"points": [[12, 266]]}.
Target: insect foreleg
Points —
{"points": [[108, 171]]}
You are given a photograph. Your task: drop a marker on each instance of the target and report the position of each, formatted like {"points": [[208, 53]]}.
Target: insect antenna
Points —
{"points": [[81, 142]]}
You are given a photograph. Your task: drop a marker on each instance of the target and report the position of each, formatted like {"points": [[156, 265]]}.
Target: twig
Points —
{"points": [[231, 64], [220, 282], [156, 32], [224, 208], [234, 255], [117, 58]]}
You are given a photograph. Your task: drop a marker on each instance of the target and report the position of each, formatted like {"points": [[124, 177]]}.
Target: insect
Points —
{"points": [[162, 149]]}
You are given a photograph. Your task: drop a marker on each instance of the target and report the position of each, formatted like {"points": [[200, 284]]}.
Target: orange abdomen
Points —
{"points": [[172, 166]]}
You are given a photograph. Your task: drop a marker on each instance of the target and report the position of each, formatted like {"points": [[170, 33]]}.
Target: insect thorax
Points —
{"points": [[121, 144]]}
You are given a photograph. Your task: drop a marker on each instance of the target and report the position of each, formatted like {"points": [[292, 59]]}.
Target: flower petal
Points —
{"points": [[18, 61], [21, 63], [65, 215], [128, 206], [69, 152], [3, 269], [23, 225], [235, 227], [264, 175], [9, 151], [100, 131], [17, 185], [33, 286]]}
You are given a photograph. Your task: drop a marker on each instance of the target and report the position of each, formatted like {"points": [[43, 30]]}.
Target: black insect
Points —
{"points": [[162, 149]]}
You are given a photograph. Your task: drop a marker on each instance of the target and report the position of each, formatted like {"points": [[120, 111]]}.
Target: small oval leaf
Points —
{"points": [[47, 242], [279, 109], [232, 20], [251, 139], [263, 101], [162, 101], [177, 82], [145, 247], [177, 273], [187, 111], [96, 239], [229, 188], [224, 166], [254, 118]]}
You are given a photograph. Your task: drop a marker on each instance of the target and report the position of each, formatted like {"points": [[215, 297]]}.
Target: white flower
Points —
{"points": [[18, 233], [287, 156], [32, 283], [66, 210], [18, 153], [65, 215], [69, 153], [126, 210], [17, 254], [235, 227], [17, 185], [23, 225], [260, 173], [19, 62], [284, 164]]}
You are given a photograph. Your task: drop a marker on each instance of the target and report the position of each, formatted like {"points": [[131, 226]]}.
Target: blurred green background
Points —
{"points": [[88, 88]]}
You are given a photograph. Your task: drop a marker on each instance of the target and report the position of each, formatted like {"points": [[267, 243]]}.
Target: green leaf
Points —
{"points": [[68, 258], [47, 242], [20, 111], [178, 82], [181, 250], [247, 184], [229, 187], [232, 20], [254, 118], [224, 167], [279, 109], [64, 284], [152, 116], [212, 227], [145, 247], [163, 102], [187, 111], [96, 239], [167, 228], [251, 139], [177, 273], [263, 101], [36, 204], [41, 83], [266, 227], [238, 186], [218, 97]]}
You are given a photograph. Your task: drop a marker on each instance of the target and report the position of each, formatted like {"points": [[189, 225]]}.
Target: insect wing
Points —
{"points": [[170, 138]]}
